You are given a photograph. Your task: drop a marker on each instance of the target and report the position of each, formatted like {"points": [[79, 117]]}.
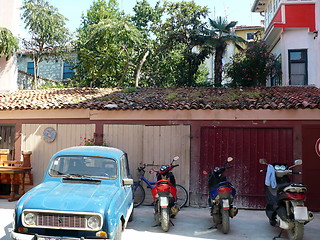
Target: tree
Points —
{"points": [[8, 43], [252, 66], [48, 34], [184, 27], [218, 36], [105, 45], [145, 19]]}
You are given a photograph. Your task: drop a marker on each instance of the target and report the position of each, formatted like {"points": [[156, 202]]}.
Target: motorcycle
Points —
{"points": [[165, 196], [285, 206], [221, 196]]}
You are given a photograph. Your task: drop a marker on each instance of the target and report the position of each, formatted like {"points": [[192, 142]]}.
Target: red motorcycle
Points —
{"points": [[165, 196]]}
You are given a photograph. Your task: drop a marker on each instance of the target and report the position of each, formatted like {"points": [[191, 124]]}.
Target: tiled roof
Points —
{"points": [[241, 27], [163, 98]]}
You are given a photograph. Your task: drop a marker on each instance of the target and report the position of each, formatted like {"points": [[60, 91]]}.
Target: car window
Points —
{"points": [[84, 165], [125, 173]]}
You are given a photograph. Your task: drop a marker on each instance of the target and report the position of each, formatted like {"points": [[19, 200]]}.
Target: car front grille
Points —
{"points": [[61, 221]]}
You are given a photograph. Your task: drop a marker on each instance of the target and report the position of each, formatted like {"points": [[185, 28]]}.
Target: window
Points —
{"points": [[250, 36], [125, 173], [30, 67], [67, 70], [298, 61], [276, 76]]}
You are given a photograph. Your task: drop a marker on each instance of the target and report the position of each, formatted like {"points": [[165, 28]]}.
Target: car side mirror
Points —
{"points": [[127, 181], [262, 161]]}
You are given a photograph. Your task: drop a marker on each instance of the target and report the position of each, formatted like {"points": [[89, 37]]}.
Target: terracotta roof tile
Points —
{"points": [[289, 97]]}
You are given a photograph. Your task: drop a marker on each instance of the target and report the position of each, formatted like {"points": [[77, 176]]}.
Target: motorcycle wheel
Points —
{"points": [[225, 221], [165, 219], [296, 233]]}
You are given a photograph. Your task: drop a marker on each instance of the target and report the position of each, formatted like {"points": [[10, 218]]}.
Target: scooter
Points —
{"points": [[221, 196], [165, 195], [285, 200]]}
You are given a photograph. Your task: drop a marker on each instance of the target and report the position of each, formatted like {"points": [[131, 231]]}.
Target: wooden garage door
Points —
{"points": [[68, 135], [246, 146], [153, 146]]}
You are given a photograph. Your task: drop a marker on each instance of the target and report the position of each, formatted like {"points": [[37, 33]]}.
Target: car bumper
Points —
{"points": [[22, 236]]}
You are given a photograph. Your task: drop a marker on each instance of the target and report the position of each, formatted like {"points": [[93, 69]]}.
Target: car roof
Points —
{"points": [[100, 151]]}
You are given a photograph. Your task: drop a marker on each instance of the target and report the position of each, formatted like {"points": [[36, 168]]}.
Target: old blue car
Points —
{"points": [[85, 194]]}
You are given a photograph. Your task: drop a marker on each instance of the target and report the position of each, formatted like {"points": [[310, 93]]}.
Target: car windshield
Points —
{"points": [[84, 166]]}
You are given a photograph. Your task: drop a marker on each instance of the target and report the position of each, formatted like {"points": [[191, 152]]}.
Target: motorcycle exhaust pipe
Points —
{"points": [[311, 216], [233, 211]]}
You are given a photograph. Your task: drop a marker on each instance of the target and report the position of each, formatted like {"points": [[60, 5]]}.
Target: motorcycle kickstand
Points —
{"points": [[171, 222], [213, 227], [279, 236]]}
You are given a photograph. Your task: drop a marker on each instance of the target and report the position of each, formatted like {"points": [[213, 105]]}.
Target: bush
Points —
{"points": [[252, 66]]}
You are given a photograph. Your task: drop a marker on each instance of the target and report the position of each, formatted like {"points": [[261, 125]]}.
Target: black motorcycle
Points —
{"points": [[285, 200], [221, 196]]}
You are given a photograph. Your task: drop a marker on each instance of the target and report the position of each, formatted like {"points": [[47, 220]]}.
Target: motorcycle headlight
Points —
{"points": [[30, 219], [94, 222]]}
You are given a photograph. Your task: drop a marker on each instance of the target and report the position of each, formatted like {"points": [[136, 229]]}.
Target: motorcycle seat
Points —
{"points": [[292, 186], [224, 183], [282, 186]]}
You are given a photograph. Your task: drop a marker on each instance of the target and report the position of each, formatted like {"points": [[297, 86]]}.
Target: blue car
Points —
{"points": [[85, 194]]}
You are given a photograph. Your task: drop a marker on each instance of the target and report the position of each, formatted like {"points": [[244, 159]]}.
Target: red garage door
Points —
{"points": [[246, 146], [311, 165]]}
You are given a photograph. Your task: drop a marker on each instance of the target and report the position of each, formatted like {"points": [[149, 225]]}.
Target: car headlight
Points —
{"points": [[94, 222], [30, 219]]}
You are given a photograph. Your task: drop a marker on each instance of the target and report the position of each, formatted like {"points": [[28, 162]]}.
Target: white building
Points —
{"points": [[291, 31], [10, 19]]}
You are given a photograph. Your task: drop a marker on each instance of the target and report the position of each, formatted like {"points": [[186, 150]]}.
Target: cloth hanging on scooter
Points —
{"points": [[271, 177]]}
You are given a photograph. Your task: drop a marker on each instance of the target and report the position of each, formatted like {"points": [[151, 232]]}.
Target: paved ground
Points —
{"points": [[190, 223]]}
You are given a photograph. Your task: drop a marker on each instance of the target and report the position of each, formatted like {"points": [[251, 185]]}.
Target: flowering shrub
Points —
{"points": [[252, 66], [92, 141]]}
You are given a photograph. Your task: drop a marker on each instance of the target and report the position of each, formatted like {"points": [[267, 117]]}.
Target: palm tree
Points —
{"points": [[218, 36]]}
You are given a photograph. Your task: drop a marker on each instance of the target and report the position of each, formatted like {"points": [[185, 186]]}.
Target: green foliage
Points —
{"points": [[106, 47], [48, 34], [8, 43], [171, 96], [252, 66], [201, 76], [146, 18], [184, 27], [129, 90]]}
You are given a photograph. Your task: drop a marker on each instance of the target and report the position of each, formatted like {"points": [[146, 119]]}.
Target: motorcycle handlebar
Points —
{"points": [[175, 165], [291, 172], [229, 167]]}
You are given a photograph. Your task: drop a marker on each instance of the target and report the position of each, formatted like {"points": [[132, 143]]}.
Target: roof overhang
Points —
{"points": [[272, 36], [259, 5]]}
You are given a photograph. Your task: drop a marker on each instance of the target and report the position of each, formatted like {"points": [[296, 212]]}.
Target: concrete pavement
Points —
{"points": [[191, 223]]}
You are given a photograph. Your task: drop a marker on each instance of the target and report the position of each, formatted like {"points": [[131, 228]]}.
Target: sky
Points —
{"points": [[233, 10]]}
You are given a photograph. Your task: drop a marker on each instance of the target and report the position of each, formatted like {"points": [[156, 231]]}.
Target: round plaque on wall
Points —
{"points": [[49, 134]]}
